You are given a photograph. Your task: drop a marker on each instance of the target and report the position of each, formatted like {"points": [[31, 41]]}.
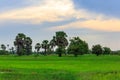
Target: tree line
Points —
{"points": [[58, 45]]}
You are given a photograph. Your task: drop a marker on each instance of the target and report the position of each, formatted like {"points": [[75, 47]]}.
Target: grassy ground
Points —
{"points": [[86, 67]]}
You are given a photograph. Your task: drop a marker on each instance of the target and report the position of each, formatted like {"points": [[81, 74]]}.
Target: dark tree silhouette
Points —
{"points": [[28, 47], [23, 44], [97, 49], [52, 44], [106, 50], [61, 42], [45, 46], [37, 47], [19, 43], [3, 47]]}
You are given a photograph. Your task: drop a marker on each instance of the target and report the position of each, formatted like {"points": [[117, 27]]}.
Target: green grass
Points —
{"points": [[86, 67]]}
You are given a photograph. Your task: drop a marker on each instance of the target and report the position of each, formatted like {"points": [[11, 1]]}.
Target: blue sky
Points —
{"points": [[95, 21], [107, 7]]}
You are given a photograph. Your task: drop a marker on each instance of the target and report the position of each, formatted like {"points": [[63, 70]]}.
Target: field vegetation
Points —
{"points": [[85, 67]]}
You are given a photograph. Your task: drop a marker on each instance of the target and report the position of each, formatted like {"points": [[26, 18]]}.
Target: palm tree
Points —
{"points": [[3, 47], [12, 50], [52, 43], [37, 47], [61, 41], [28, 47], [45, 46], [8, 47], [19, 43]]}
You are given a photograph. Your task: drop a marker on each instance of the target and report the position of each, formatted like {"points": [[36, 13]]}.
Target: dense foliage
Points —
{"points": [[106, 50], [23, 44], [61, 42], [97, 49], [77, 47]]}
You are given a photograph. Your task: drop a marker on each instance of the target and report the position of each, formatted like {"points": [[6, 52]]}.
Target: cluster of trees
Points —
{"points": [[59, 41], [58, 44], [78, 47], [98, 50], [23, 44], [5, 50]]}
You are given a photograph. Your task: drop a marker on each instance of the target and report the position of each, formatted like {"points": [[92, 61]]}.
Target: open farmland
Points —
{"points": [[86, 67]]}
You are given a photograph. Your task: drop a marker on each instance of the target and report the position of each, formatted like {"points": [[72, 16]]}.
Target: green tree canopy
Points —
{"points": [[77, 46], [97, 49], [106, 50]]}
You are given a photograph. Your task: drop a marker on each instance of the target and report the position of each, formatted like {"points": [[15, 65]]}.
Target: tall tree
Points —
{"points": [[97, 49], [77, 47], [52, 44], [28, 45], [23, 44], [45, 46], [12, 50], [19, 43], [37, 47], [61, 42]]}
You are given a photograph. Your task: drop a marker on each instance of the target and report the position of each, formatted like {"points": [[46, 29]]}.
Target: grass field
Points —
{"points": [[86, 67]]}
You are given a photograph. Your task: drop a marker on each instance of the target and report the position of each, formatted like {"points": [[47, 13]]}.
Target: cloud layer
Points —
{"points": [[50, 11], [60, 10], [103, 25]]}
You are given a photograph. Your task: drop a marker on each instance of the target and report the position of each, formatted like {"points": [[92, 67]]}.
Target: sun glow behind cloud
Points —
{"points": [[50, 11]]}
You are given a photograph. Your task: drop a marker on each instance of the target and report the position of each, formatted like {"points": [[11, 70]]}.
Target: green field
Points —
{"points": [[86, 67]]}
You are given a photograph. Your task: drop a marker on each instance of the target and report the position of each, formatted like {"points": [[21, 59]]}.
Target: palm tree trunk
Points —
{"points": [[45, 51]]}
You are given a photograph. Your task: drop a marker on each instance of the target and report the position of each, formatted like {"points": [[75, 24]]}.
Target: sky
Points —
{"points": [[95, 21]]}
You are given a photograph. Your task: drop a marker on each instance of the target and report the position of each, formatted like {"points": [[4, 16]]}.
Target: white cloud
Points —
{"points": [[52, 10], [44, 10], [96, 24]]}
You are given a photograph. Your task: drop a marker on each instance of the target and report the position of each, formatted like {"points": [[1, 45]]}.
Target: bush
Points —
{"points": [[2, 52]]}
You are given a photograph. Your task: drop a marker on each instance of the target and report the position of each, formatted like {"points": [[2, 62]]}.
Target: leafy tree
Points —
{"points": [[77, 47], [61, 42], [97, 49], [37, 47], [106, 50], [45, 46]]}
